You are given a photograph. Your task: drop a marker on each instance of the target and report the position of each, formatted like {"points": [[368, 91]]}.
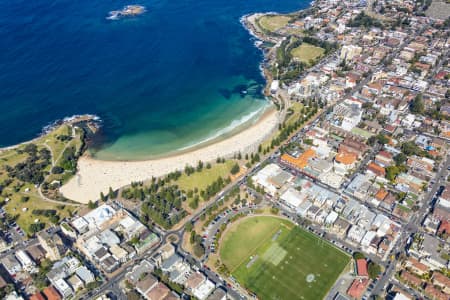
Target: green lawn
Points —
{"points": [[296, 109], [277, 260], [11, 157], [206, 177], [273, 23], [15, 207], [306, 52]]}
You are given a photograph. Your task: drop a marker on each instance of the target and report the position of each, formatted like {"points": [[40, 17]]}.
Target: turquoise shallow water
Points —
{"points": [[162, 81]]}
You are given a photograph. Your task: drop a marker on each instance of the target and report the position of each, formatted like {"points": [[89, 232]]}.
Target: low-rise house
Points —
{"points": [[344, 162], [340, 227], [199, 286], [27, 263], [416, 267], [411, 279], [11, 264], [52, 244], [158, 292], [37, 296], [135, 274], [415, 184], [431, 224], [51, 294], [434, 293], [145, 284], [431, 248], [356, 234], [361, 268], [441, 281], [75, 282], [218, 294], [36, 252], [384, 158], [109, 264], [85, 275], [63, 288], [420, 163], [376, 169], [357, 288]]}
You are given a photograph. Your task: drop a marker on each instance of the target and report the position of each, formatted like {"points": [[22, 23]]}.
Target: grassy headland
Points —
{"points": [[30, 174]]}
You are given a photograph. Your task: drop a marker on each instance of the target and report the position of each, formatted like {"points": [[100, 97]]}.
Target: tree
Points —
{"points": [[235, 169], [358, 255], [199, 166], [374, 270], [382, 139], [400, 158], [392, 172], [57, 170], [410, 148], [189, 226], [199, 251], [92, 205], [36, 227], [102, 197], [111, 193], [417, 106]]}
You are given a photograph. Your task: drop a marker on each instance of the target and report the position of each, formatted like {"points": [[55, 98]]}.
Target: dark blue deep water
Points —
{"points": [[164, 80]]}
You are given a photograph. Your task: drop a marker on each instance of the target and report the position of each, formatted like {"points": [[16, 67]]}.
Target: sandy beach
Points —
{"points": [[95, 176]]}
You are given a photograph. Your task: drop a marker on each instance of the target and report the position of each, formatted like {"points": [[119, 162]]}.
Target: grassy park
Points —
{"points": [[306, 52], [201, 180], [277, 260], [24, 167], [273, 23]]}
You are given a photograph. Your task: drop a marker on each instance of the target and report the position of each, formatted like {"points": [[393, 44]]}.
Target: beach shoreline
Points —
{"points": [[95, 176]]}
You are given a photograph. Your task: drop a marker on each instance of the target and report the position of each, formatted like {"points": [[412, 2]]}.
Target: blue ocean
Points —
{"points": [[182, 73]]}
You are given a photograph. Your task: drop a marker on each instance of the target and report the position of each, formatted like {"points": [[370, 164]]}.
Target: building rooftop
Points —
{"points": [[158, 292], [357, 288], [346, 158], [51, 294], [301, 161], [361, 267]]}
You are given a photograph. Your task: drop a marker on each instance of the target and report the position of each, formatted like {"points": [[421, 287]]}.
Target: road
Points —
{"points": [[413, 225], [112, 284]]}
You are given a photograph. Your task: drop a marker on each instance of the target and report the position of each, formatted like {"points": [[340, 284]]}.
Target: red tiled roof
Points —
{"points": [[378, 170], [430, 290], [444, 227], [37, 296], [361, 267], [51, 293], [410, 278], [357, 288]]}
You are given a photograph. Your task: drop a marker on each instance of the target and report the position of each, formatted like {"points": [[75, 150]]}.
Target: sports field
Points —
{"points": [[277, 260], [306, 52]]}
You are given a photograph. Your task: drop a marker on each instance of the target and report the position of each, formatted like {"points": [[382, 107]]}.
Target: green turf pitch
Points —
{"points": [[283, 264]]}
